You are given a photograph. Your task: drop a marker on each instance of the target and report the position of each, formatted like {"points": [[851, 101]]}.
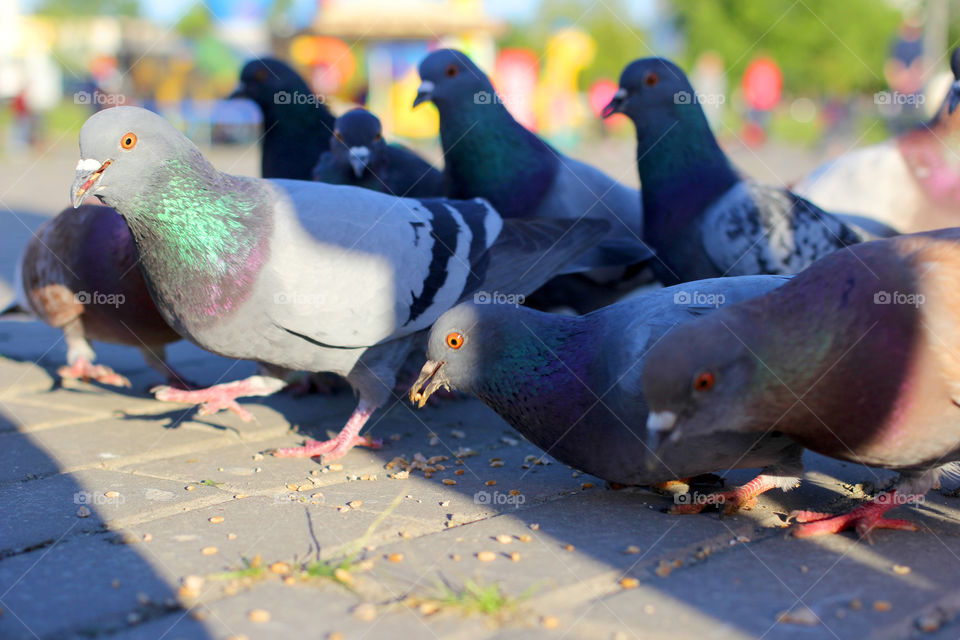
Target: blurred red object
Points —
{"points": [[762, 84], [600, 95], [515, 79]]}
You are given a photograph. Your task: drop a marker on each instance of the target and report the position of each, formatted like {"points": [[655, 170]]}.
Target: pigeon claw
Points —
{"points": [[83, 369], [328, 450], [211, 400], [863, 520]]}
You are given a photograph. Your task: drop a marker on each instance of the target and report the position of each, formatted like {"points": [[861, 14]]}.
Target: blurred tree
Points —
{"points": [[73, 9], [195, 23], [822, 46], [608, 22]]}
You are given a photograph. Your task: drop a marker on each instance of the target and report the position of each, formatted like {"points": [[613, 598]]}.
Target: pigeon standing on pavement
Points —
{"points": [[573, 387], [360, 156], [702, 219], [911, 181], [304, 275], [487, 154], [79, 273], [857, 358], [297, 125]]}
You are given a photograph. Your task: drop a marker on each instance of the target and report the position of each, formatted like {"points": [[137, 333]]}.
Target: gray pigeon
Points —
{"points": [[304, 275], [79, 273], [857, 358], [360, 156], [701, 217], [572, 385]]}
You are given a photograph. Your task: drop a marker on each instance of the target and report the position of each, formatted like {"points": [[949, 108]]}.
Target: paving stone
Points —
{"points": [[68, 587], [44, 510], [19, 416]]}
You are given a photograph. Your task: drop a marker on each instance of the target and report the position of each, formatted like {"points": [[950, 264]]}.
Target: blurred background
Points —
{"points": [[814, 76]]}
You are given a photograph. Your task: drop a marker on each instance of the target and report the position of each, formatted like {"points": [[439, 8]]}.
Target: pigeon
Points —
{"points": [[304, 275], [297, 125], [701, 218], [79, 273], [572, 384], [855, 358], [360, 156], [487, 154], [911, 181]]}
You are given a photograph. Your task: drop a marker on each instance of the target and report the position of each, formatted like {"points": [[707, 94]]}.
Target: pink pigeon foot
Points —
{"points": [[83, 369], [348, 438], [222, 396], [744, 497], [862, 519]]}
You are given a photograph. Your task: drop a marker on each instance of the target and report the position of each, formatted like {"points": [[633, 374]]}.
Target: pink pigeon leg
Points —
{"points": [[733, 500], [863, 519], [222, 396], [83, 369], [348, 438]]}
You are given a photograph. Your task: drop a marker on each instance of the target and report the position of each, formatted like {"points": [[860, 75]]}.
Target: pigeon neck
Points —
{"points": [[682, 168], [202, 237], [488, 154], [538, 375]]}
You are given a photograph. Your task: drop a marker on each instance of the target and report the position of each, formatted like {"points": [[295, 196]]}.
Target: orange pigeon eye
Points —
{"points": [[651, 79], [128, 140], [452, 70], [704, 381], [260, 75], [454, 340]]}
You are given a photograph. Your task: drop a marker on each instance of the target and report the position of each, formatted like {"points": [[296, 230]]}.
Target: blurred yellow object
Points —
{"points": [[559, 107], [422, 122]]}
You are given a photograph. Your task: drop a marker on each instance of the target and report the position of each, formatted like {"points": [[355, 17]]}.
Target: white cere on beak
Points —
{"points": [[426, 87], [88, 164], [659, 421], [620, 94]]}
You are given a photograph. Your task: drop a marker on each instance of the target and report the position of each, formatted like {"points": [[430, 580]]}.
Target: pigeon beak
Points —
{"points": [[954, 98], [432, 377], [89, 172], [616, 104], [359, 156], [424, 93], [659, 429], [239, 92]]}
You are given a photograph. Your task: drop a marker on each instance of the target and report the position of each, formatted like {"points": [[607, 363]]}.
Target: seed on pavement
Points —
{"points": [[215, 519], [515, 556], [111, 494], [504, 538], [901, 569], [336, 466], [83, 511], [629, 583], [486, 556], [632, 550], [535, 527], [279, 567], [524, 537], [568, 547], [395, 557], [882, 605], [147, 537], [365, 612], [549, 622], [209, 551], [355, 504], [449, 482], [490, 483], [189, 487], [259, 615]]}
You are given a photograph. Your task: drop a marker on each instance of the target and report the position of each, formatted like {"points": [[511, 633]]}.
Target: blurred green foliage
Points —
{"points": [[618, 40], [822, 46], [86, 8]]}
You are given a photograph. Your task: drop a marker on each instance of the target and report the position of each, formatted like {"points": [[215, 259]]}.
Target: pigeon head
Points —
{"points": [[652, 87], [269, 82], [121, 149], [357, 139], [449, 77], [954, 96], [462, 342], [694, 381]]}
